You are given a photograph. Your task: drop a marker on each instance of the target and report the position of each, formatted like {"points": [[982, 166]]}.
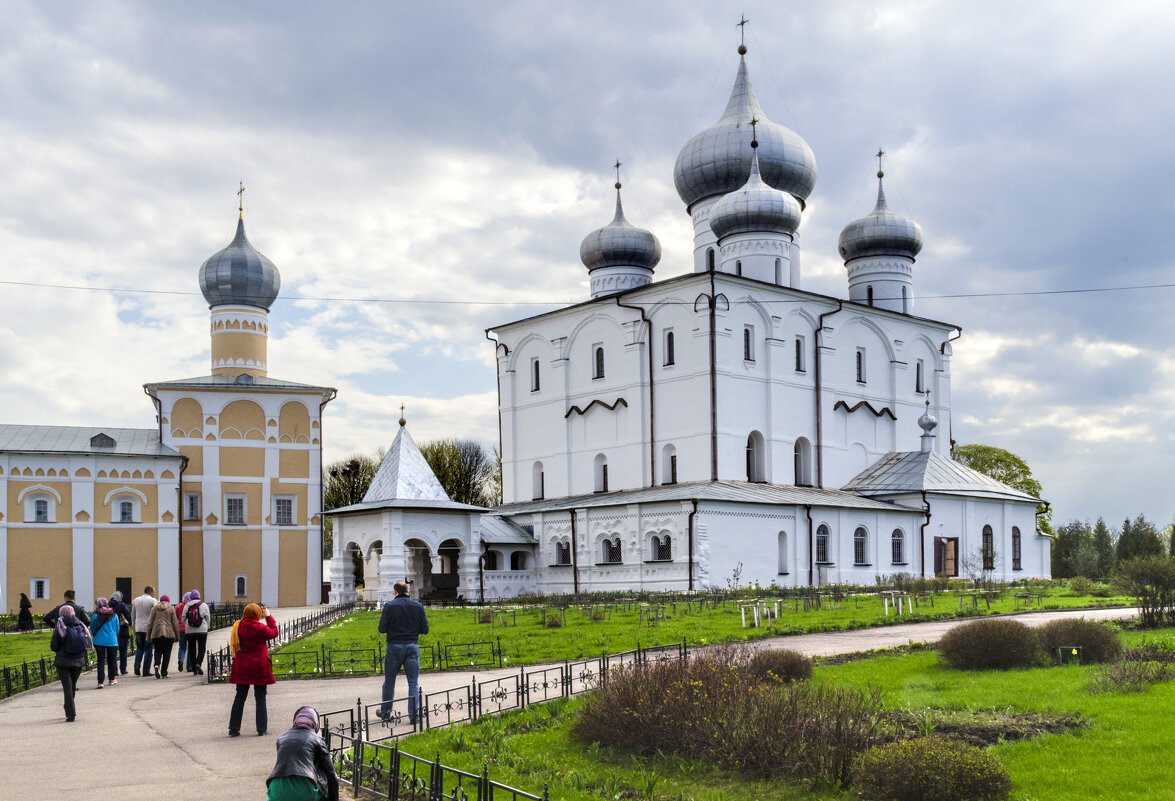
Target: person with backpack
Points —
{"points": [[124, 628], [164, 630], [104, 627], [196, 617], [70, 642], [51, 616], [183, 630]]}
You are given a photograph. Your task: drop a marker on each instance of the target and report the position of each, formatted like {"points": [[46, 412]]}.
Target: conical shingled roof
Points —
{"points": [[404, 475], [915, 471]]}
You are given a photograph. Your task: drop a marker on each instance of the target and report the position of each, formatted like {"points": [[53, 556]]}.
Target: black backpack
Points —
{"points": [[194, 618], [75, 640]]}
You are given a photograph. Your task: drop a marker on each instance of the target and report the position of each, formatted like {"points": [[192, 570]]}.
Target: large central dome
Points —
{"points": [[718, 160]]}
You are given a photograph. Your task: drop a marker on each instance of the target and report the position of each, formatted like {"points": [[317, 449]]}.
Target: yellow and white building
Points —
{"points": [[225, 495]]}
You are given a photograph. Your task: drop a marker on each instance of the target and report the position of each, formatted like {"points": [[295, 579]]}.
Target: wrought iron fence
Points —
{"points": [[39, 672], [220, 662]]}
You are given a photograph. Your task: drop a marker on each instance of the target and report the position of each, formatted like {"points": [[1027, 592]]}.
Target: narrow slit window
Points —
{"points": [[860, 365], [670, 356], [598, 368], [534, 375]]}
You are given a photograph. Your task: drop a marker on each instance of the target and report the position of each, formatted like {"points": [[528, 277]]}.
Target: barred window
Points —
{"points": [[860, 546], [126, 512], [562, 553], [662, 549], [41, 511], [611, 553], [822, 544], [284, 511], [988, 548], [1016, 548], [898, 545], [234, 510], [598, 371]]}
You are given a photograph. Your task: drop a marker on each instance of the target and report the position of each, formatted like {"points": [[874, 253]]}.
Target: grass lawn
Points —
{"points": [[529, 642], [1123, 754], [24, 647]]}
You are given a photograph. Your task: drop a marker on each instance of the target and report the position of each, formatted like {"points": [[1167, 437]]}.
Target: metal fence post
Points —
{"points": [[394, 773], [499, 650], [436, 790]]}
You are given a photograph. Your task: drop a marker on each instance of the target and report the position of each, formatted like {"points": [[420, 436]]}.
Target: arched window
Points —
{"points": [[918, 385], [869, 295], [803, 463], [1016, 548], [538, 482], [898, 546], [562, 553], [779, 272], [534, 375], [518, 561], [710, 259], [860, 365], [598, 370], [240, 588], [756, 458], [669, 465], [749, 343], [126, 512], [738, 268], [611, 551], [988, 548], [822, 543], [670, 356], [783, 553], [490, 560], [799, 354], [860, 546], [601, 470], [40, 510], [660, 549]]}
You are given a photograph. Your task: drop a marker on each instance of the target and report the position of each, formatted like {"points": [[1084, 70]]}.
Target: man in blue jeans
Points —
{"points": [[403, 621]]}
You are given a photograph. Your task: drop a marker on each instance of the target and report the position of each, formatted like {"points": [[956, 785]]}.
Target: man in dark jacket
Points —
{"points": [[403, 621], [52, 615]]}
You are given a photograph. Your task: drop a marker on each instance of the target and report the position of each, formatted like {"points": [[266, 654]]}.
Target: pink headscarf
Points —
{"points": [[306, 718]]}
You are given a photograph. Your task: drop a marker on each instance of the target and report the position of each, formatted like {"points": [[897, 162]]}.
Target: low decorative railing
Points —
{"points": [[219, 663]]}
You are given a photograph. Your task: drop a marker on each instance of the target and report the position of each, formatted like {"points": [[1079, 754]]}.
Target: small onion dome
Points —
{"points": [[717, 160], [927, 422], [239, 275], [881, 233], [755, 208], [620, 244]]}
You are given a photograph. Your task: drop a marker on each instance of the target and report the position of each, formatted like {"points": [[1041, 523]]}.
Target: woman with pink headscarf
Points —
{"points": [[71, 643]]}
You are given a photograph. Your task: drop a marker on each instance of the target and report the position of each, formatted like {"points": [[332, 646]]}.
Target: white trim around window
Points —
{"points": [[240, 585], [236, 509], [285, 510], [44, 589]]}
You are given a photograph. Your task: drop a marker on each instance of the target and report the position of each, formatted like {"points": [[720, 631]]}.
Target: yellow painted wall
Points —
{"points": [[64, 513], [291, 568], [254, 512], [195, 454], [192, 548], [40, 553], [294, 463], [187, 419], [234, 345], [240, 552], [124, 552], [106, 514], [299, 491], [242, 419], [294, 422], [242, 461]]}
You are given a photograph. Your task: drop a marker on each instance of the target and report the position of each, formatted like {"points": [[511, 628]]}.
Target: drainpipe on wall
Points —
{"points": [[498, 381], [819, 436], [179, 534], [811, 552], [690, 525], [334, 393], [574, 556], [713, 382], [951, 430], [922, 533], [652, 410]]}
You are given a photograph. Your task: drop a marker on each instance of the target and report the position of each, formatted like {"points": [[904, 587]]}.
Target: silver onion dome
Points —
{"points": [[620, 244], [755, 208], [881, 232], [239, 274], [717, 160]]}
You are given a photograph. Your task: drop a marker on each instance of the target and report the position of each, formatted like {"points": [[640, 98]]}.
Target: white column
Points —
{"points": [[212, 563], [167, 560], [83, 563], [313, 568], [270, 557], [4, 591]]}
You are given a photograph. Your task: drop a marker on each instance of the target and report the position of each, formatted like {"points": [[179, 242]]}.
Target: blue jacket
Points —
{"points": [[105, 633], [403, 620]]}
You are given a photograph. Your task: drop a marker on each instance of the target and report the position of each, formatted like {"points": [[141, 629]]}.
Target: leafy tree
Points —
{"points": [[1103, 544], [462, 466], [346, 483], [1007, 468], [1138, 538]]}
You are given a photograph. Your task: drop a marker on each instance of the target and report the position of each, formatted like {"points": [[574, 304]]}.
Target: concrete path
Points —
{"points": [[151, 739]]}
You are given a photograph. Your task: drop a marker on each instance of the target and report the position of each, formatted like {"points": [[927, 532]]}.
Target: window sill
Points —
{"points": [[560, 565], [658, 561], [862, 564], [825, 564], [608, 564], [785, 573], [1017, 568], [900, 564]]}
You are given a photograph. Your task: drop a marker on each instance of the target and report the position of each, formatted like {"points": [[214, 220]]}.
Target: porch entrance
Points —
{"points": [[946, 556]]}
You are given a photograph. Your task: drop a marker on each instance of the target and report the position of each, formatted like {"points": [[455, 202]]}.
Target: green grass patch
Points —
{"points": [[24, 647], [527, 641]]}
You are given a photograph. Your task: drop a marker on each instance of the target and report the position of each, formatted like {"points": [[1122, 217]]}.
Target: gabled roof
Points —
{"points": [[255, 382], [404, 475], [732, 491], [81, 440], [917, 471], [504, 531]]}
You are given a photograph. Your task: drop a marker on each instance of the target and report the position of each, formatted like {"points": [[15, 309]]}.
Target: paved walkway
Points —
{"points": [[167, 739]]}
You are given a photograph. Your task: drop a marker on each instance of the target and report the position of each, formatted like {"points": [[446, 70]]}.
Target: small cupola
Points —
{"points": [[619, 256]]}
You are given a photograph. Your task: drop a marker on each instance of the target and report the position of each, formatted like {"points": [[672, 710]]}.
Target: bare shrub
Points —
{"points": [[930, 769], [1097, 641], [1151, 581], [781, 666], [990, 645], [712, 708], [1130, 676]]}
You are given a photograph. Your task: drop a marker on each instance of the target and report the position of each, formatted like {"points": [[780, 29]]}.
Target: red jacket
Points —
{"points": [[251, 664]]}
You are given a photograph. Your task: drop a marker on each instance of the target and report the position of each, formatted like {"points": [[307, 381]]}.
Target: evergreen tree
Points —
{"points": [[1103, 544], [1138, 538], [1071, 539]]}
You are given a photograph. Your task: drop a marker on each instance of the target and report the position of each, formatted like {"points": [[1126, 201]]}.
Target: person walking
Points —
{"points": [[196, 617], [70, 643], [303, 769], [251, 665], [50, 617], [24, 621], [183, 641], [163, 630], [140, 613], [403, 621], [104, 627], [124, 628]]}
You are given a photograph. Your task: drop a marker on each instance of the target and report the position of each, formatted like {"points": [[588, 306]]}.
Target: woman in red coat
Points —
{"points": [[251, 664]]}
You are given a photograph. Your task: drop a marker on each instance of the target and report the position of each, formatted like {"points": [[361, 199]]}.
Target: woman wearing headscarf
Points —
{"points": [[179, 617], [25, 620], [70, 643], [164, 630], [196, 617], [104, 627], [124, 627], [303, 771], [251, 664]]}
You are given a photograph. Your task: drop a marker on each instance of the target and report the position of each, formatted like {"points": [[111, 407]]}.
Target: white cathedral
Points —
{"points": [[719, 426]]}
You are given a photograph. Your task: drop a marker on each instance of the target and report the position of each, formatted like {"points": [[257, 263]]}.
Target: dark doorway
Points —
{"points": [[946, 556], [123, 585]]}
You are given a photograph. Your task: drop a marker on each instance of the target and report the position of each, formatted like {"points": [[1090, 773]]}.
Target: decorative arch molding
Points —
{"points": [[801, 313], [521, 345], [37, 488], [882, 336], [932, 349], [884, 411], [610, 407], [672, 300], [764, 313], [124, 491], [584, 323]]}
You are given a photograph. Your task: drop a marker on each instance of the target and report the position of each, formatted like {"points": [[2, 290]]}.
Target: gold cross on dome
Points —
{"points": [[241, 199]]}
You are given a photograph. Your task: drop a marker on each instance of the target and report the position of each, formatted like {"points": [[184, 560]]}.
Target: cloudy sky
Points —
{"points": [[419, 171]]}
